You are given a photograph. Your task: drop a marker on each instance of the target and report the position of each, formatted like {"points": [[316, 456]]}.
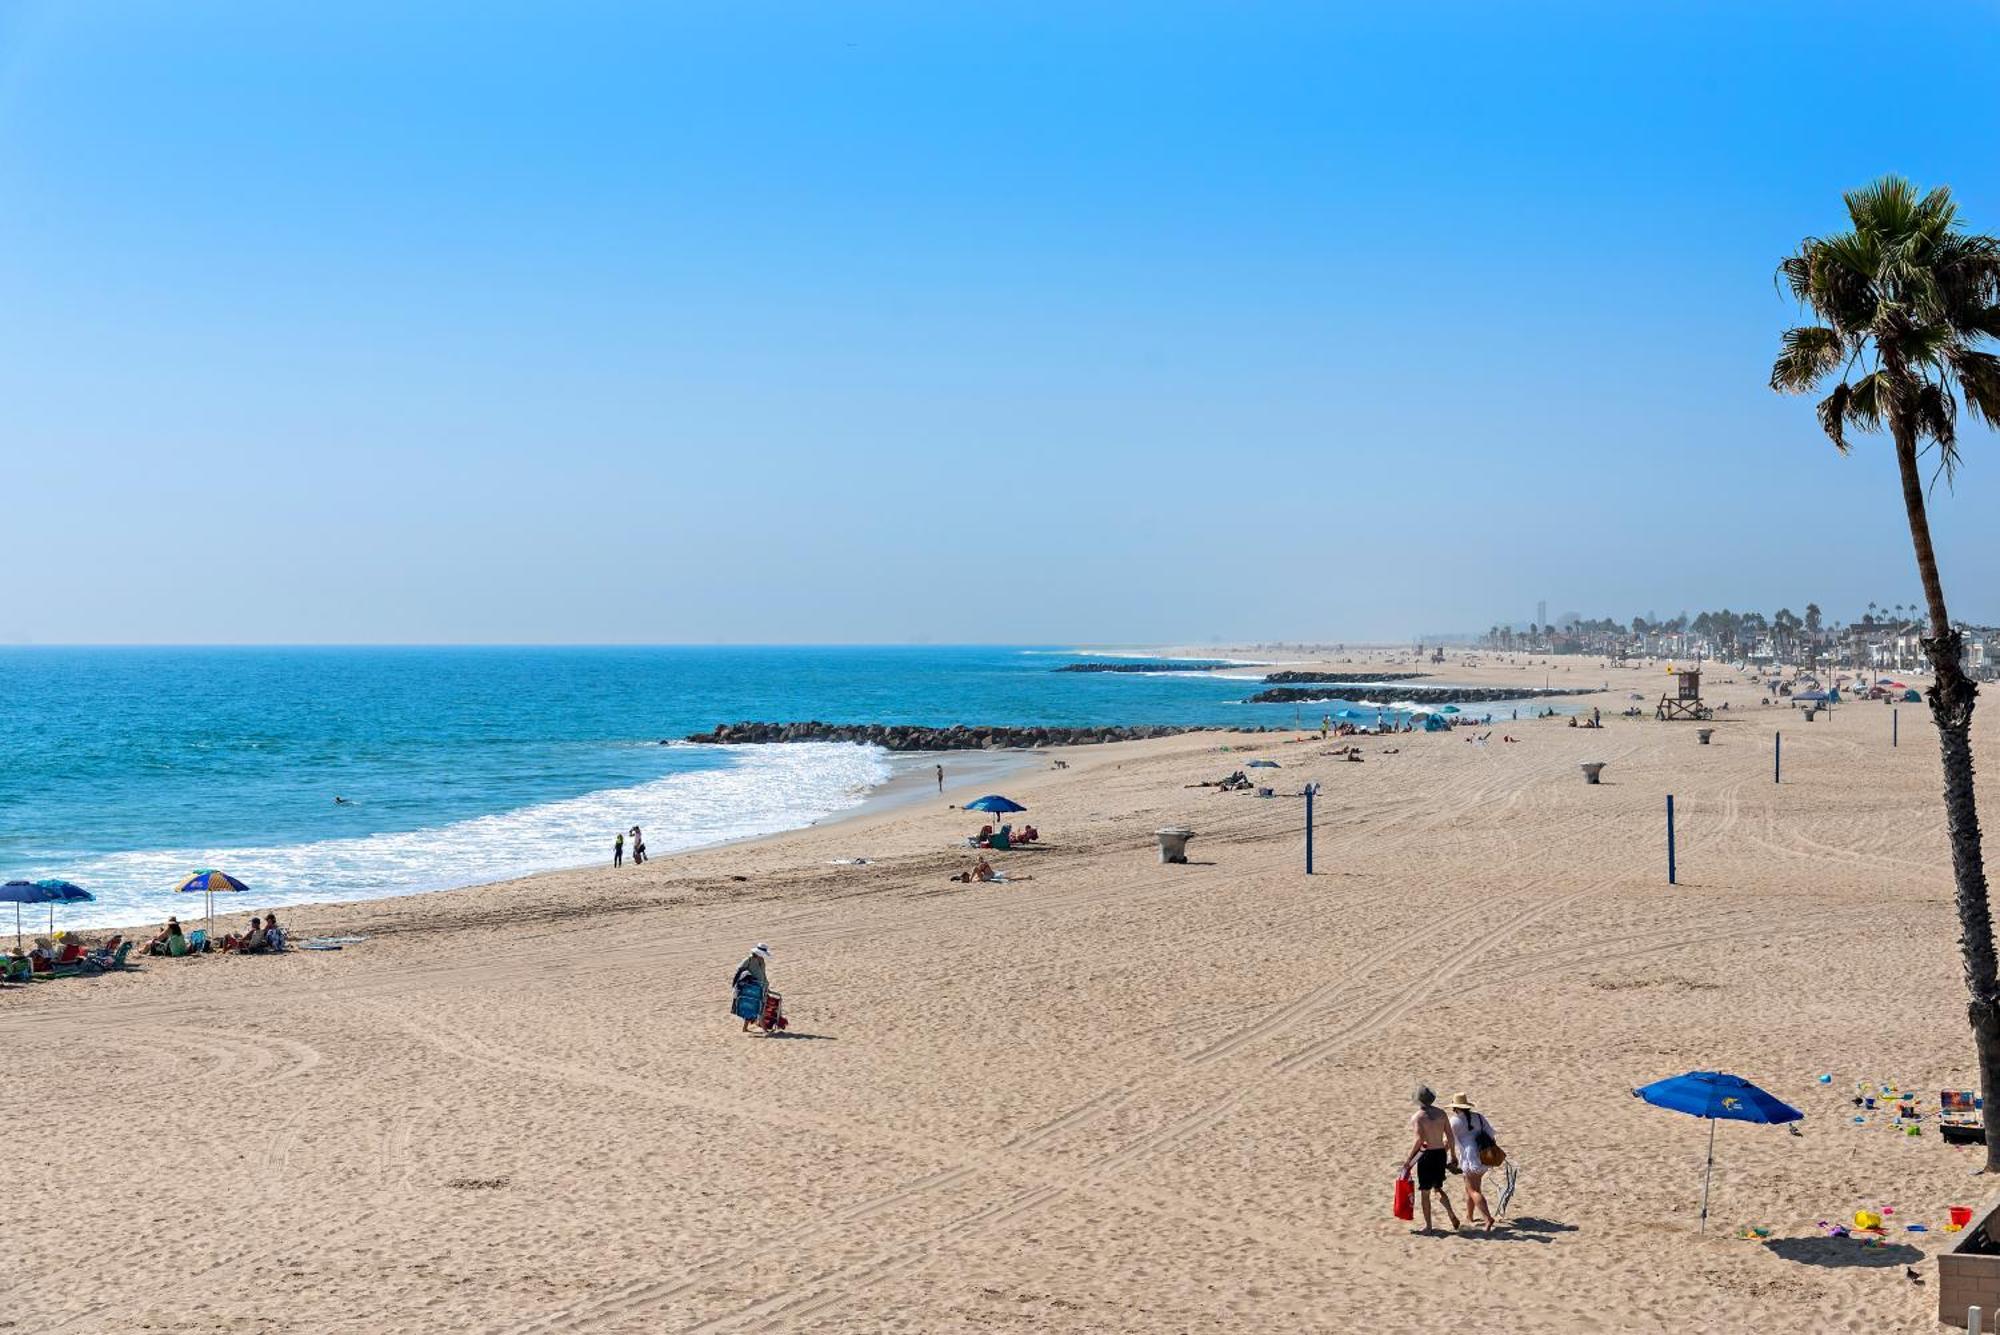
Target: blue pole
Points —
{"points": [[1310, 789], [1777, 756], [1670, 838]]}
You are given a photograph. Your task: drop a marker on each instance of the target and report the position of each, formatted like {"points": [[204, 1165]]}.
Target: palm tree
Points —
{"points": [[1906, 298]]}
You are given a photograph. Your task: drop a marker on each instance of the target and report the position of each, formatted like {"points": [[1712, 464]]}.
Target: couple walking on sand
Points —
{"points": [[1456, 1137]]}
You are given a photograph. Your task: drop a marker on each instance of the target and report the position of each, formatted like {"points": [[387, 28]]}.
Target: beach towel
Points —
{"points": [[1513, 1177]]}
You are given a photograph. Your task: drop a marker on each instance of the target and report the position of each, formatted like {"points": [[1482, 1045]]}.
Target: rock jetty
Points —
{"points": [[1422, 695], [1303, 678], [906, 737], [1142, 667]]}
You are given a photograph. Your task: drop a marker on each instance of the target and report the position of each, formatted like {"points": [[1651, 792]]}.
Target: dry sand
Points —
{"points": [[1116, 1096]]}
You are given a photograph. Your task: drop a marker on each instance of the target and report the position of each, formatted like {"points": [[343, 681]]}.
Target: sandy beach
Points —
{"points": [[1109, 1095]]}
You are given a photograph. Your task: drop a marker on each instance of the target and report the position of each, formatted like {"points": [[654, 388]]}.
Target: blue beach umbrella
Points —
{"points": [[1718, 1097], [210, 883], [18, 893], [994, 803]]}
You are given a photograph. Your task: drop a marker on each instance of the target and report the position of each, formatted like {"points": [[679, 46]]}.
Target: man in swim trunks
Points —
{"points": [[1428, 1153]]}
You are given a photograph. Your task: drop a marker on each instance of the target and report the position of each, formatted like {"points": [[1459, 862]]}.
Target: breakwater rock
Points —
{"points": [[905, 737], [1422, 695], [1302, 678], [1142, 667]]}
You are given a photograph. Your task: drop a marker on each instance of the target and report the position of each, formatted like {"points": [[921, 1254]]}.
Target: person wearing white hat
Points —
{"points": [[1471, 1139], [751, 970]]}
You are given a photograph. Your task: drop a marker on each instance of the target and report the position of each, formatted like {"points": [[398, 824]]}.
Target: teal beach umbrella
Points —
{"points": [[62, 892]]}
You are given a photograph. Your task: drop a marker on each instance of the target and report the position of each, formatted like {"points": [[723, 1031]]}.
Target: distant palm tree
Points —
{"points": [[1906, 298]]}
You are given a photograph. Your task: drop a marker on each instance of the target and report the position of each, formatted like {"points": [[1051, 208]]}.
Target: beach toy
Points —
{"points": [[1916, 1228], [1867, 1219], [1961, 1215], [1833, 1230], [1826, 1079]]}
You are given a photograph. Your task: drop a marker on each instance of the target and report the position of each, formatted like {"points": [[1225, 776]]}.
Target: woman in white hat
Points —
{"points": [[751, 972], [1471, 1137]]}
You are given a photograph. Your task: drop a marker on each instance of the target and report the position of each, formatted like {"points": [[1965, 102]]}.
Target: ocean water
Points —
{"points": [[125, 769]]}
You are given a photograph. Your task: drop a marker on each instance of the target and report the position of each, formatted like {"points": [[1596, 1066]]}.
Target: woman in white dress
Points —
{"points": [[1468, 1126]]}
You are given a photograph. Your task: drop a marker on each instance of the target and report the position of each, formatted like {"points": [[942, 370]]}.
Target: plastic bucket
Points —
{"points": [[1961, 1215]]}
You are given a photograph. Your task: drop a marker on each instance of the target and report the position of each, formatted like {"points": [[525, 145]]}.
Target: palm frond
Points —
{"points": [[1936, 416], [1884, 205], [1832, 412], [1868, 398], [1809, 354], [1978, 375]]}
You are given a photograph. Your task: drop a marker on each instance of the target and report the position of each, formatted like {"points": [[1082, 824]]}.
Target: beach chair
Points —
{"points": [[197, 941], [1003, 838], [103, 963], [17, 971]]}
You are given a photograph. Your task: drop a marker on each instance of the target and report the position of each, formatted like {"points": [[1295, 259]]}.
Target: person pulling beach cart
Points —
{"points": [[754, 1001]]}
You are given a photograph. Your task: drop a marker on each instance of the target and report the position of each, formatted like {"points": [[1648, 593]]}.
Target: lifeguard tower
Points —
{"points": [[1685, 700]]}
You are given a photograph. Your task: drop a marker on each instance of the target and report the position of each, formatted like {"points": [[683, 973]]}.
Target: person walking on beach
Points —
{"points": [[1428, 1154], [638, 846], [940, 770], [618, 850], [1477, 1149]]}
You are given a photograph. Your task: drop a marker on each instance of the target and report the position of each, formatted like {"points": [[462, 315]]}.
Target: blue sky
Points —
{"points": [[840, 322]]}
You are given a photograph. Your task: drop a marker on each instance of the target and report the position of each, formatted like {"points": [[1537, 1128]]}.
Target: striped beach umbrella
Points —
{"points": [[211, 883]]}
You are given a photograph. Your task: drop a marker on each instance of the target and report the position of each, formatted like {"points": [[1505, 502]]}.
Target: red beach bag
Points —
{"points": [[1405, 1206]]}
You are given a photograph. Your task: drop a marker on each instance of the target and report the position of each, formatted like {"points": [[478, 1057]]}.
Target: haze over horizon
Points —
{"points": [[879, 323]]}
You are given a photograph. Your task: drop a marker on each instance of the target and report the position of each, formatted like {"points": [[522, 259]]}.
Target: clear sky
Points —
{"points": [[872, 322]]}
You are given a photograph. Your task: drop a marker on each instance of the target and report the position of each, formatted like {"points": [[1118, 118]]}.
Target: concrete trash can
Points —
{"points": [[1704, 734], [1173, 843], [1591, 770], [1969, 1269]]}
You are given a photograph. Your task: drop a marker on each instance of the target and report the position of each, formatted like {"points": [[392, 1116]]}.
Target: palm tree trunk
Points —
{"points": [[1951, 699]]}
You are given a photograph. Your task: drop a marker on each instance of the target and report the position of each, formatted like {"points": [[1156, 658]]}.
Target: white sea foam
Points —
{"points": [[763, 790]]}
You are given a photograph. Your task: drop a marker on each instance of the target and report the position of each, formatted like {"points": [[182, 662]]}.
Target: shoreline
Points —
{"points": [[911, 779]]}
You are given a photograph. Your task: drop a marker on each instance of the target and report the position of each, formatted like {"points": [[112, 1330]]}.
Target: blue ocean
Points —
{"points": [[127, 768]]}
